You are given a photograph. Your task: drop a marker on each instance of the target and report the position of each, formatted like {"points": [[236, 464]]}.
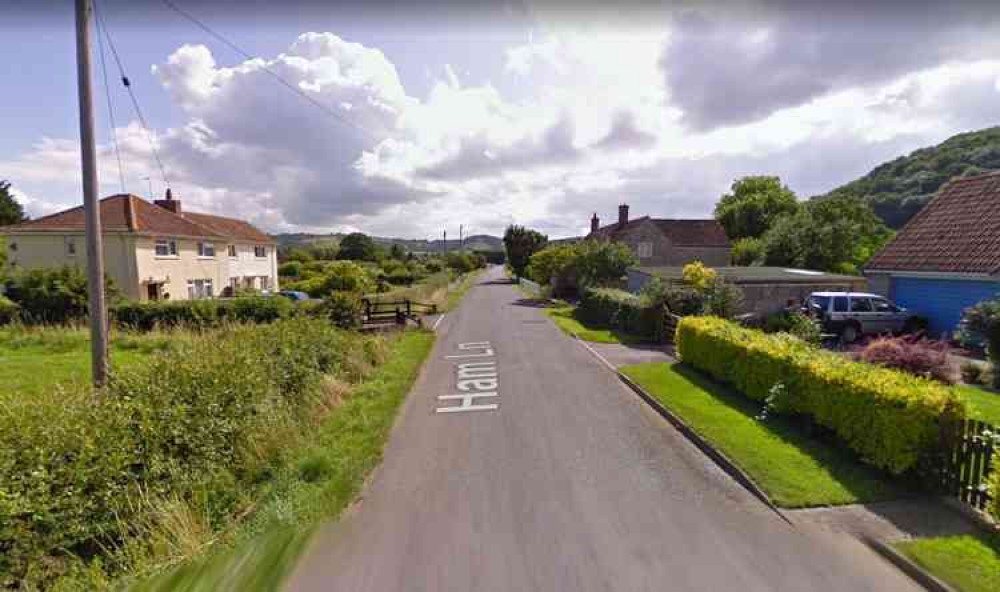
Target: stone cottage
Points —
{"points": [[667, 242]]}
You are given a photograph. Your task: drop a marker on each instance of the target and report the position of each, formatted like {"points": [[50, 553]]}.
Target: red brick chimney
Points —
{"points": [[174, 205], [595, 223], [622, 215]]}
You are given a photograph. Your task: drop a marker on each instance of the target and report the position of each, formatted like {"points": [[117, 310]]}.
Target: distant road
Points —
{"points": [[569, 483]]}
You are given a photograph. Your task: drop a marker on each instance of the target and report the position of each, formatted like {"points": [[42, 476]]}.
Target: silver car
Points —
{"points": [[852, 314]]}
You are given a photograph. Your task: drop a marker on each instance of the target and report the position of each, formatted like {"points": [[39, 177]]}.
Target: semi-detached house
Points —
{"points": [[153, 251]]}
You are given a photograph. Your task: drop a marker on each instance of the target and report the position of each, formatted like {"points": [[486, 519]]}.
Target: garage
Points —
{"points": [[940, 300]]}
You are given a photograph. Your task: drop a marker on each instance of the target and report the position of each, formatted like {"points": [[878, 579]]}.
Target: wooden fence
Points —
{"points": [[965, 466], [395, 311]]}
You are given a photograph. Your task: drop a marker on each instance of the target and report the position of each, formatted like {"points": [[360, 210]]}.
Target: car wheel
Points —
{"points": [[849, 334]]}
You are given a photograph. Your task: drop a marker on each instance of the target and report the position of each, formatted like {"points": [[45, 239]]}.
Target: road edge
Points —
{"points": [[720, 459], [908, 566]]}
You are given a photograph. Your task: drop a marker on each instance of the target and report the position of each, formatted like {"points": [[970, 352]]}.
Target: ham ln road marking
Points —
{"points": [[477, 378]]}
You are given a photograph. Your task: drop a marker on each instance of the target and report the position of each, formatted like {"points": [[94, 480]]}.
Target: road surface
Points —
{"points": [[570, 483]]}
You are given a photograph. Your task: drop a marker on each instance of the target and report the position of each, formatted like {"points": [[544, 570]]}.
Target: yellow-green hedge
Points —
{"points": [[888, 417]]}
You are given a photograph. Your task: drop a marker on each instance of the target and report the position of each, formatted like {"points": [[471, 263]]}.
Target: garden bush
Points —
{"points": [[82, 472], [983, 320], [973, 372], [52, 295], [148, 315], [891, 419], [616, 309], [794, 323], [343, 309], [912, 354], [9, 311]]}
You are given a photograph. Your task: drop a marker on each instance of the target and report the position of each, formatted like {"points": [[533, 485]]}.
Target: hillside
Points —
{"points": [[899, 188], [477, 242]]}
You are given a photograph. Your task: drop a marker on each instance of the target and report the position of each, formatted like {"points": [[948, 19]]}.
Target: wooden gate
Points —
{"points": [[965, 467]]}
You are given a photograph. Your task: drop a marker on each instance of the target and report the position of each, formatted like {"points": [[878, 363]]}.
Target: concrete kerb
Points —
{"points": [[911, 569], [710, 451]]}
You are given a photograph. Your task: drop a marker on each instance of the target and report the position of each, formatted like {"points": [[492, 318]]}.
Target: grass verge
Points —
{"points": [[318, 484], [566, 318], [970, 563], [983, 405], [794, 469], [458, 290]]}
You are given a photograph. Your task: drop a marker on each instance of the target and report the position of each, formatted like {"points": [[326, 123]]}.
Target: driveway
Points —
{"points": [[558, 478]]}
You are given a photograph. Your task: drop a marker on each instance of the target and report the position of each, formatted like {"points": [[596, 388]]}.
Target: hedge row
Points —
{"points": [[145, 316], [205, 424], [620, 310], [889, 418]]}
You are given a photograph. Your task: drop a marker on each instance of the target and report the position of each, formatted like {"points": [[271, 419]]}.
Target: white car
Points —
{"points": [[853, 314]]}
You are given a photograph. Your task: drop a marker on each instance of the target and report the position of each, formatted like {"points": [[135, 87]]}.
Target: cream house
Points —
{"points": [[153, 251]]}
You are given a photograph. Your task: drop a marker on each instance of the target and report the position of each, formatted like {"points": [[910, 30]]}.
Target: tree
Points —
{"points": [[11, 212], [983, 320], [748, 251], [397, 252], [521, 243], [358, 246], [298, 254], [753, 206], [838, 234]]}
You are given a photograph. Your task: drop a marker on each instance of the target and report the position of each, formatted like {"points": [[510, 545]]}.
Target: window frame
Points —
{"points": [[232, 251], [171, 248], [69, 246], [644, 249], [838, 300], [258, 249], [204, 247], [860, 299]]}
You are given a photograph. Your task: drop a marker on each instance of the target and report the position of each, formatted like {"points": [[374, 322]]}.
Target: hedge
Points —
{"points": [[891, 419], [621, 310], [83, 474], [145, 316], [9, 311]]}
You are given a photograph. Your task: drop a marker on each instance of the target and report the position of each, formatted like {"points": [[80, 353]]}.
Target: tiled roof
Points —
{"points": [[128, 213], [683, 233], [957, 232]]}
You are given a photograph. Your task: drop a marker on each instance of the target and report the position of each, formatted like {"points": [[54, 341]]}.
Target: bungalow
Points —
{"points": [[153, 252], [947, 257], [666, 242]]}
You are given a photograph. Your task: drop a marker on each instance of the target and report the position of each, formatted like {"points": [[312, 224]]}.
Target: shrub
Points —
{"points": [[722, 299], [9, 311], [52, 295], [698, 276], [680, 300], [347, 276], [343, 309], [915, 355], [617, 309], [794, 323], [290, 269], [983, 320], [570, 267], [890, 418], [202, 426], [748, 251], [973, 372], [145, 316]]}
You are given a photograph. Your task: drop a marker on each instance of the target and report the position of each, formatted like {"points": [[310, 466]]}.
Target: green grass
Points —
{"points": [[794, 469], [461, 287], [983, 405], [35, 360], [970, 563], [317, 484], [565, 317]]}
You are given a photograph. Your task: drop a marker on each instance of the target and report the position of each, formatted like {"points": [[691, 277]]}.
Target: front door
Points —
{"points": [[152, 291]]}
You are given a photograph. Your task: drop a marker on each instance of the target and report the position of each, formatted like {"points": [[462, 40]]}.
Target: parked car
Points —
{"points": [[853, 314], [293, 295]]}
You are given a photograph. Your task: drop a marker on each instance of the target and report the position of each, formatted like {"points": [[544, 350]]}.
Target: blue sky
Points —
{"points": [[496, 112]]}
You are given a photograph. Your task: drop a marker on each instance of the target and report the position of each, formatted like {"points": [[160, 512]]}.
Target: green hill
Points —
{"points": [[899, 188]]}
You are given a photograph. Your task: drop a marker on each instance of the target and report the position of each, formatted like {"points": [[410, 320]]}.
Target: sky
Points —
{"points": [[406, 119]]}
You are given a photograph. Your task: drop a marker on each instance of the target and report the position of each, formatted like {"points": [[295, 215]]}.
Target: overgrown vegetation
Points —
{"points": [[50, 295], [889, 418], [567, 269], [148, 315], [983, 320], [173, 450]]}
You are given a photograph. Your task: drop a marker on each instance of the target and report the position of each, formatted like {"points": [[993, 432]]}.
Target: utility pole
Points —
{"points": [[461, 238], [444, 245], [91, 206]]}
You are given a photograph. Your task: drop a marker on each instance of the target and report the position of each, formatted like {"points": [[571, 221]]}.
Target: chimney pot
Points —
{"points": [[170, 204], [595, 223], [622, 215]]}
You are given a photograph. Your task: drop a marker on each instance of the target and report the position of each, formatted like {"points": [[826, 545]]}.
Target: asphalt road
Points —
{"points": [[571, 483]]}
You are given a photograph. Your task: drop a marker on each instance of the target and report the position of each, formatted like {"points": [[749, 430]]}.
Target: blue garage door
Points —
{"points": [[941, 301]]}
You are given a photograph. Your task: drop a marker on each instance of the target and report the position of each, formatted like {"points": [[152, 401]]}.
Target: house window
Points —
{"points": [[259, 251], [645, 250], [166, 247], [200, 289], [70, 246], [232, 250], [206, 250]]}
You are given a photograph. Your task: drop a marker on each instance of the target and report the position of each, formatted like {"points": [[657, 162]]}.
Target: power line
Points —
{"points": [[111, 110], [128, 87], [246, 55]]}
